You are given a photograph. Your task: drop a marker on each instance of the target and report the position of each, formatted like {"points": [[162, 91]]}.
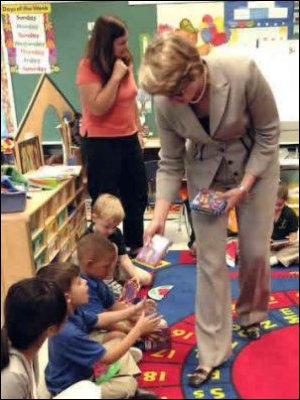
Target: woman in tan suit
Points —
{"points": [[217, 121]]}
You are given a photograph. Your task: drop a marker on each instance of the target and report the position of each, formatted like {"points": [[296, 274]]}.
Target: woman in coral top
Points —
{"points": [[110, 122]]}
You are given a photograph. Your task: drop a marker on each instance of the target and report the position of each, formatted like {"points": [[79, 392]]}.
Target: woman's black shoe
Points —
{"points": [[253, 331], [199, 376]]}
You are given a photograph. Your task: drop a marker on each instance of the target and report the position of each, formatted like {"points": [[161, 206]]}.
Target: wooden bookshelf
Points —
{"points": [[45, 232]]}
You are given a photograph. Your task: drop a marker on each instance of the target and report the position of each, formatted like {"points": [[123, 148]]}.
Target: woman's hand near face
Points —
{"points": [[120, 70]]}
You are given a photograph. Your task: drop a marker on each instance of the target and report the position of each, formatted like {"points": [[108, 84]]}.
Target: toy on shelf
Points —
{"points": [[7, 155], [13, 190]]}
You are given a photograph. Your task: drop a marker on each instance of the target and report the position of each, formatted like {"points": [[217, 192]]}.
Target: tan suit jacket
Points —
{"points": [[244, 129], [243, 137]]}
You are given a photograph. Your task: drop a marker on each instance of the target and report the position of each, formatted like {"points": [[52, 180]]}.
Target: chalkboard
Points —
{"points": [[70, 21]]}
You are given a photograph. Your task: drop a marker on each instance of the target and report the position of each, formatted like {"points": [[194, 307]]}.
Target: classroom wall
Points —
{"points": [[71, 34], [70, 27]]}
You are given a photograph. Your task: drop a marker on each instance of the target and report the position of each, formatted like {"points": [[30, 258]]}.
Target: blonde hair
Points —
{"points": [[169, 59], [109, 207], [283, 191]]}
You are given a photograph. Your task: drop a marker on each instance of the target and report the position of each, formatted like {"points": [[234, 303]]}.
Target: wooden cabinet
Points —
{"points": [[45, 232]]}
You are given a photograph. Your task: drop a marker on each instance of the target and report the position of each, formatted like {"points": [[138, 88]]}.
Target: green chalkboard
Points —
{"points": [[70, 21]]}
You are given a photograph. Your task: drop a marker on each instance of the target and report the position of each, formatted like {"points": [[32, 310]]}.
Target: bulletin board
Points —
{"points": [[268, 15]]}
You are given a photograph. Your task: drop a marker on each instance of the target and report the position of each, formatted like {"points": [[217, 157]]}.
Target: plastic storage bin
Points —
{"points": [[13, 202]]}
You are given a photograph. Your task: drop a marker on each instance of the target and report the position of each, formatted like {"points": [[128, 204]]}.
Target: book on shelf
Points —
{"points": [[58, 172]]}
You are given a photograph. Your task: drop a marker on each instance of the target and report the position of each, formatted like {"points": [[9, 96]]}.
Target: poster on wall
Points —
{"points": [[29, 38], [260, 21], [8, 112], [203, 25]]}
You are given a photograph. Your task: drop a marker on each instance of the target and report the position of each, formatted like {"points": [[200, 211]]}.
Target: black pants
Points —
{"points": [[116, 166]]}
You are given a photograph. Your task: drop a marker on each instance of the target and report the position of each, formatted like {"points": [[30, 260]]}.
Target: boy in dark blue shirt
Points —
{"points": [[285, 228]]}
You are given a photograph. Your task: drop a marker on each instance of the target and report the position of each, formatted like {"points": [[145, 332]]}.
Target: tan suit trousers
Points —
{"points": [[213, 298]]}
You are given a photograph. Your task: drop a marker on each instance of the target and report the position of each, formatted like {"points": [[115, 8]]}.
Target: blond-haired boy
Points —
{"points": [[107, 214]]}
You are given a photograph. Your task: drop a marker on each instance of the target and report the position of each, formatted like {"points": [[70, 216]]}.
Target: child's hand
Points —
{"points": [[137, 310], [141, 306], [149, 324], [150, 307], [146, 305], [292, 237], [136, 281]]}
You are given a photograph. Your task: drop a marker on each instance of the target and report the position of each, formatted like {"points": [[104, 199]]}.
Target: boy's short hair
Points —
{"points": [[109, 207], [61, 273], [283, 191], [93, 247]]}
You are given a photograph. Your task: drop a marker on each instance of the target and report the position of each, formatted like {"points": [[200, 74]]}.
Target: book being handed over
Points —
{"points": [[155, 251], [209, 202]]}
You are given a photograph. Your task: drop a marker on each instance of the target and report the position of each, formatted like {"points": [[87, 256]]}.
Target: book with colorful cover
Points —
{"points": [[154, 252], [209, 202], [130, 291]]}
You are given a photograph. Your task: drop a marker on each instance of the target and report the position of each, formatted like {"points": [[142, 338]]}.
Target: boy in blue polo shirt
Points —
{"points": [[74, 356], [97, 260]]}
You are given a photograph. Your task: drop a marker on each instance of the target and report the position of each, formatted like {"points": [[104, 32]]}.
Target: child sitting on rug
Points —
{"points": [[74, 355], [33, 310], [97, 258], [286, 225], [107, 214]]}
